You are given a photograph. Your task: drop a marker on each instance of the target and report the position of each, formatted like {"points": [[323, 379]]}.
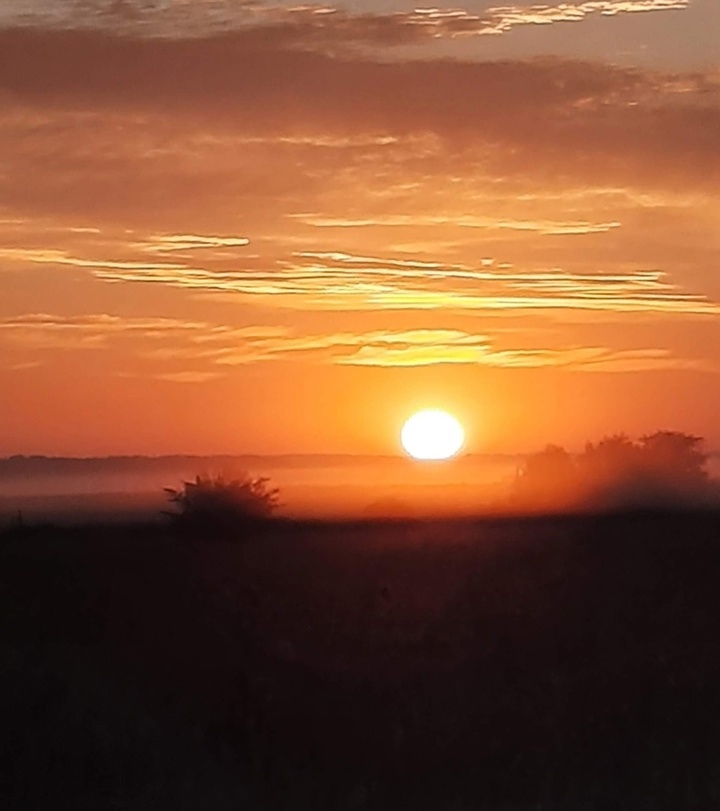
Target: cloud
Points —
{"points": [[236, 167], [20, 367], [426, 347], [234, 122], [213, 349], [59, 257], [44, 331], [165, 243], [326, 280], [585, 359], [339, 281], [461, 221], [312, 25], [189, 377]]}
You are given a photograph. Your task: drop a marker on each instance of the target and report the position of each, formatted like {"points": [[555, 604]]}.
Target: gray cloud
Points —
{"points": [[309, 25], [174, 124]]}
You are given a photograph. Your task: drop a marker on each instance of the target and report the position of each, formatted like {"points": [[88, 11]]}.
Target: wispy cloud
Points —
{"points": [[544, 227], [464, 351], [212, 349], [339, 281], [166, 243], [59, 257], [48, 331], [189, 377], [325, 280]]}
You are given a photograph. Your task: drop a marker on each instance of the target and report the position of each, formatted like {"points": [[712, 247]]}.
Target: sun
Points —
{"points": [[432, 434]]}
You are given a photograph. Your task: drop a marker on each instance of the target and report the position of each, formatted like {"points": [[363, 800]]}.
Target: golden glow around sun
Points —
{"points": [[432, 434]]}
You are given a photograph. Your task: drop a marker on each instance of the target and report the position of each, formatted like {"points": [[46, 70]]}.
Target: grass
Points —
{"points": [[549, 663]]}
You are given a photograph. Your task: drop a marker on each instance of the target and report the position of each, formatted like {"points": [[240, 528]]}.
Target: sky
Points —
{"points": [[237, 226]]}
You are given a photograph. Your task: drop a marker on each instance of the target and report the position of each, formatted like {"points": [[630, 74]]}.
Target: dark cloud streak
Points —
{"points": [[557, 117]]}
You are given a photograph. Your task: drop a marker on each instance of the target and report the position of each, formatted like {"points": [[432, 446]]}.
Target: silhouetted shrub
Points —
{"points": [[218, 503]]}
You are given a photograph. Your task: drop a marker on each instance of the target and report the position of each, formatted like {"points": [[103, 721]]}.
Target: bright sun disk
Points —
{"points": [[432, 434]]}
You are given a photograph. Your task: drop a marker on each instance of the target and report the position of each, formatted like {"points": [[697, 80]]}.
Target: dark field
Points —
{"points": [[541, 664]]}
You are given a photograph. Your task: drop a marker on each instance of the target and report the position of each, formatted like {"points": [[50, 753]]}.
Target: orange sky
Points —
{"points": [[263, 228]]}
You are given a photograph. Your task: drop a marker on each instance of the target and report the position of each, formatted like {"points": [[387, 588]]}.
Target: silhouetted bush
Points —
{"points": [[218, 503]]}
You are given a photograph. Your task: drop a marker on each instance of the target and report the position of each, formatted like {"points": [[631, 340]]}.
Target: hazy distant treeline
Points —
{"points": [[57, 465], [166, 469], [663, 469]]}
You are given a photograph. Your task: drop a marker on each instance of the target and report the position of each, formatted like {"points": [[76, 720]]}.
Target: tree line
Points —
{"points": [[666, 468]]}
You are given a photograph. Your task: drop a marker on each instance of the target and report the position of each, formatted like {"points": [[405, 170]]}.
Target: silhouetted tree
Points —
{"points": [[612, 462], [216, 502], [675, 456], [547, 477], [667, 468], [611, 455]]}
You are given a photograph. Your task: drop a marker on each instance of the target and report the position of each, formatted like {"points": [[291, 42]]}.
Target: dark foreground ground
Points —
{"points": [[505, 665]]}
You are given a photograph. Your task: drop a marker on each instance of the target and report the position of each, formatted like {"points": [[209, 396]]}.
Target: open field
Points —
{"points": [[339, 503], [554, 663]]}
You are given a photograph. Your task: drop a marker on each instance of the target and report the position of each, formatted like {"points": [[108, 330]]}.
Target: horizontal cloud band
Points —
{"points": [[212, 348]]}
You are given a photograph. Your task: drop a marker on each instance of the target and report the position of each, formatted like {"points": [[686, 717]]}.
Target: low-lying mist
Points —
{"points": [[662, 470]]}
